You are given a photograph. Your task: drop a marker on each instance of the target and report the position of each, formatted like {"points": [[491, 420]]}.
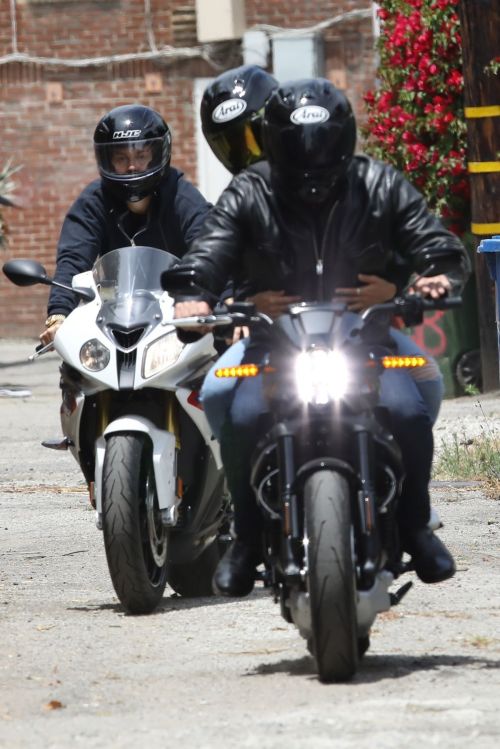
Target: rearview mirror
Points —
{"points": [[26, 272]]}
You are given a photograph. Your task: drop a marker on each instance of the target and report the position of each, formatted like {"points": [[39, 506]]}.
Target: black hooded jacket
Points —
{"points": [[377, 224], [96, 223]]}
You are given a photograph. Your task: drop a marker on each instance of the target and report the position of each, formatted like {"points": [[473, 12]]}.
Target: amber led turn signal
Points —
{"points": [[401, 362], [243, 370]]}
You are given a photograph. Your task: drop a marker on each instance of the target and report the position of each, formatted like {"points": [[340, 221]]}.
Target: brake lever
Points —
{"points": [[40, 350]]}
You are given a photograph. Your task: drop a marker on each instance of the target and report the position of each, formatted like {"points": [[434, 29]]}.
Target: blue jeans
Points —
{"points": [[428, 378], [236, 409]]}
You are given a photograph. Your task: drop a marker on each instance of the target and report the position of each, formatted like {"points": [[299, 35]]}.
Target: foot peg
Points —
{"points": [[58, 444]]}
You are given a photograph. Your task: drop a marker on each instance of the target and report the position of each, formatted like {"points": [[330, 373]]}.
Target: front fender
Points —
{"points": [[164, 458]]}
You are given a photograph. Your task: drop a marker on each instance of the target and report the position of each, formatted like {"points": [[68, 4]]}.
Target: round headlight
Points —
{"points": [[94, 355]]}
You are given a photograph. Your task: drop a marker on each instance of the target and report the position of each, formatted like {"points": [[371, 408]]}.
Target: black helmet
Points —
{"points": [[231, 115], [132, 147], [309, 135]]}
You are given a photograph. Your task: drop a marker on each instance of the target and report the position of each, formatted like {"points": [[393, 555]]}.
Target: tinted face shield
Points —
{"points": [[238, 145], [309, 160]]}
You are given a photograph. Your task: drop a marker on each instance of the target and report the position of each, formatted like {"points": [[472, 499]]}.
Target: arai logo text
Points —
{"points": [[229, 110], [311, 114], [119, 134]]}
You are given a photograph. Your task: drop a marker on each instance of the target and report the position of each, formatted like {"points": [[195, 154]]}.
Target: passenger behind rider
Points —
{"points": [[231, 111], [314, 219], [138, 199]]}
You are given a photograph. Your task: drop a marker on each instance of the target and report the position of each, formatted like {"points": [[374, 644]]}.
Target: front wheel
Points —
{"points": [[134, 537], [332, 588]]}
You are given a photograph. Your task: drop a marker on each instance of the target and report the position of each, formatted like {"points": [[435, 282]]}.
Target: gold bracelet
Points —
{"points": [[52, 319]]}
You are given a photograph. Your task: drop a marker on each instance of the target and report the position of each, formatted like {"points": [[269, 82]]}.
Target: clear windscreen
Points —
{"points": [[131, 271]]}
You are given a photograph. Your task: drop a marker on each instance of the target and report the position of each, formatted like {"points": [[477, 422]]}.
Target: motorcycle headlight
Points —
{"points": [[161, 354], [94, 355], [321, 376]]}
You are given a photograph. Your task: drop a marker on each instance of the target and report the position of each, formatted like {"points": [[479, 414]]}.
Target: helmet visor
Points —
{"points": [[237, 146], [134, 158], [309, 148]]}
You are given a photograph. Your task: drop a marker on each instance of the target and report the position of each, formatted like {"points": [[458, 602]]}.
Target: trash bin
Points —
{"points": [[491, 248], [452, 338]]}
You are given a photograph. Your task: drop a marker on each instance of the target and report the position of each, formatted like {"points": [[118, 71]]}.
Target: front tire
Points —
{"points": [[134, 537], [332, 589]]}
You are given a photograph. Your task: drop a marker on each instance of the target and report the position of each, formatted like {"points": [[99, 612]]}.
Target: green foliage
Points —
{"points": [[475, 458], [493, 67]]}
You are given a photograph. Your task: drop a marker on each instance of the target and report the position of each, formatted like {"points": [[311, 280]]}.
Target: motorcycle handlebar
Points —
{"points": [[412, 304], [409, 306], [443, 303]]}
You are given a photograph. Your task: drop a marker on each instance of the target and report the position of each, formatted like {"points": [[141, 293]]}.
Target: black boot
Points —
{"points": [[235, 573], [432, 561]]}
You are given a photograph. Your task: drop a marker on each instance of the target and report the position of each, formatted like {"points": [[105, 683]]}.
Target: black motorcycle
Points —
{"points": [[328, 472]]}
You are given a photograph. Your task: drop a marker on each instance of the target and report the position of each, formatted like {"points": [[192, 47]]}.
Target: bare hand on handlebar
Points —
{"points": [[193, 308], [273, 303], [375, 290], [434, 286], [48, 335]]}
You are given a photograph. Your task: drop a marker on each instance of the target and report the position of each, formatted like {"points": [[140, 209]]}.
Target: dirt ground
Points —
{"points": [[77, 672]]}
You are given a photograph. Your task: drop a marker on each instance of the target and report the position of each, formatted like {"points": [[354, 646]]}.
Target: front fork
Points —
{"points": [[368, 543], [292, 529]]}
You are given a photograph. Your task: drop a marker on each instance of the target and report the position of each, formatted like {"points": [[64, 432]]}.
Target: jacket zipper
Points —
{"points": [[144, 228], [321, 255]]}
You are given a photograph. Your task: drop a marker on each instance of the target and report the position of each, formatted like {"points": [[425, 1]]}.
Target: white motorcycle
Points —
{"points": [[131, 417]]}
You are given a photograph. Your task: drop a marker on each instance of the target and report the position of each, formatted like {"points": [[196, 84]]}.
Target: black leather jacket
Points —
{"points": [[97, 223], [379, 224]]}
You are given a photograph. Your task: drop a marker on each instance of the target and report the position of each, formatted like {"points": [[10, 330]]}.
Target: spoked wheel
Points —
{"points": [[134, 537], [332, 589]]}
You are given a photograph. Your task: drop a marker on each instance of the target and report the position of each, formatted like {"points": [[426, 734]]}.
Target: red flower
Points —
{"points": [[455, 79], [412, 116]]}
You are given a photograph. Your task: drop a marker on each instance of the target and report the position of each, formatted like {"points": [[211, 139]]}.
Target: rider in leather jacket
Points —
{"points": [[309, 222], [231, 112], [374, 223]]}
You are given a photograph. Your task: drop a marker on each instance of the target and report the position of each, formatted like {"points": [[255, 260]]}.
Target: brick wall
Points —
{"points": [[48, 113]]}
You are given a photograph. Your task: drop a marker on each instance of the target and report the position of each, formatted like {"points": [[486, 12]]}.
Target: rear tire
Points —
{"points": [[134, 537], [194, 579], [332, 587]]}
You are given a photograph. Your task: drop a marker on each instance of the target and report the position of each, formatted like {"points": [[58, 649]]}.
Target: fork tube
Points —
{"points": [[286, 477], [286, 465], [369, 542], [172, 418], [367, 488], [103, 403]]}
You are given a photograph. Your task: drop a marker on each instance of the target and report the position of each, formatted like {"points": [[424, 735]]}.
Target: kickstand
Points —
{"points": [[398, 596]]}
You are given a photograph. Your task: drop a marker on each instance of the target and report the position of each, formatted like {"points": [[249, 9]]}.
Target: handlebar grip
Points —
{"points": [[443, 303]]}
